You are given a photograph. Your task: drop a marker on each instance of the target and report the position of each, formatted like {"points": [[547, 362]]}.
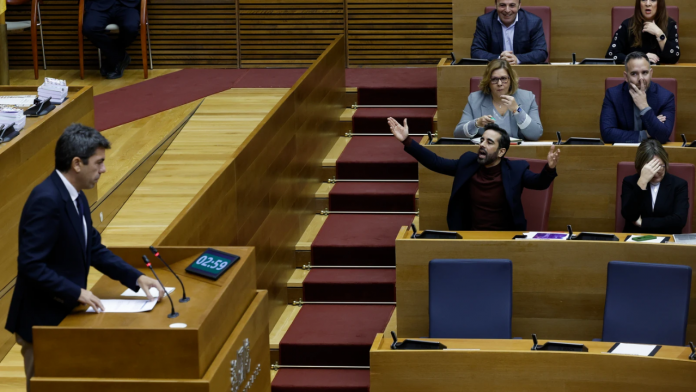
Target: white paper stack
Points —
{"points": [[9, 116], [55, 89]]}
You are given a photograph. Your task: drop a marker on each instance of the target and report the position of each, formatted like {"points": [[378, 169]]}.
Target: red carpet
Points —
{"points": [[376, 158], [333, 335], [358, 240], [178, 88], [373, 196], [391, 77], [350, 285], [322, 380], [374, 120]]}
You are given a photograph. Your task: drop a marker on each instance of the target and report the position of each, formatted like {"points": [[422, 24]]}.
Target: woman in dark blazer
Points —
{"points": [[649, 31], [654, 201]]}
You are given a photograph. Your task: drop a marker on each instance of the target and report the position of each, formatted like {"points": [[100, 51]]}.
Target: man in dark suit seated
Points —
{"points": [[58, 244], [637, 109], [510, 33], [99, 14], [487, 187]]}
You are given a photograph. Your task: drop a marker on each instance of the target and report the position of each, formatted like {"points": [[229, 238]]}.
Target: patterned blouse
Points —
{"points": [[621, 44]]}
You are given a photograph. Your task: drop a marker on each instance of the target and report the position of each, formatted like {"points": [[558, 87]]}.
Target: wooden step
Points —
{"points": [[280, 329], [329, 162], [295, 285], [303, 248]]}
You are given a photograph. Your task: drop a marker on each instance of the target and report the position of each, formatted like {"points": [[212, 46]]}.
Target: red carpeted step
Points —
{"points": [[373, 196], [350, 285], [397, 96], [333, 335], [321, 380], [358, 239], [376, 158], [374, 120], [391, 77]]}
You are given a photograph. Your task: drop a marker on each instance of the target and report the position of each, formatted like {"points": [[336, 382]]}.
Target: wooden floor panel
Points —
{"points": [[209, 139]]}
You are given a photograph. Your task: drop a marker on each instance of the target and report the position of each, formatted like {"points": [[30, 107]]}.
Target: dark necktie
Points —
{"points": [[80, 218]]}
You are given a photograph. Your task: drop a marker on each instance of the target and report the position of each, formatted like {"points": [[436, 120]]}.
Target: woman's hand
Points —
{"points": [[653, 58], [509, 102], [651, 28], [648, 172], [399, 131], [482, 121]]}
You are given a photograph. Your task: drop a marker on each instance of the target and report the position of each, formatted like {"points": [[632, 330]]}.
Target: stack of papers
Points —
{"points": [[10, 117], [18, 100], [54, 89], [125, 306], [141, 293]]}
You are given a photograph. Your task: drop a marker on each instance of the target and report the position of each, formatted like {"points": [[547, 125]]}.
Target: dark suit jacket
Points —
{"points": [[616, 121], [103, 5], [53, 262], [671, 206], [529, 44], [516, 176]]}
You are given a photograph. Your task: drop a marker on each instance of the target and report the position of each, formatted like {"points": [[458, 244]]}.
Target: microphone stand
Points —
{"points": [[157, 254], [149, 265]]}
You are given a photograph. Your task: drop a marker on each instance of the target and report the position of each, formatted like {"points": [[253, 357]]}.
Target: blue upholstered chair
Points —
{"points": [[647, 303], [470, 299]]}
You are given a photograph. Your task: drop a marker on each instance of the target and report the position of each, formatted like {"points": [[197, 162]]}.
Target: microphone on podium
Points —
{"points": [[149, 265], [157, 254]]}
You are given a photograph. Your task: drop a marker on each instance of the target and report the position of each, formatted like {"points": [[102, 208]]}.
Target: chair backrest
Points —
{"points": [[536, 204], [531, 84], [619, 14], [684, 171], [542, 12], [470, 299], [647, 303], [669, 84]]}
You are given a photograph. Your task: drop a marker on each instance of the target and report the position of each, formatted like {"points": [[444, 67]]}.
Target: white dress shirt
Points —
{"points": [[654, 188], [73, 195], [508, 34]]}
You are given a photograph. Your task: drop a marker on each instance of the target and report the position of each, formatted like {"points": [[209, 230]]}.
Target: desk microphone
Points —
{"points": [[157, 254], [149, 265]]}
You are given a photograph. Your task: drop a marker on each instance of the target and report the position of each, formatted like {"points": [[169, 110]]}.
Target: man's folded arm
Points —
{"points": [[656, 128], [479, 46], [609, 125], [539, 53]]}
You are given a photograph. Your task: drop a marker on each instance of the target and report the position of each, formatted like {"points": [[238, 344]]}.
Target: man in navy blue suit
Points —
{"points": [[99, 14], [510, 33], [637, 109], [58, 244], [487, 187]]}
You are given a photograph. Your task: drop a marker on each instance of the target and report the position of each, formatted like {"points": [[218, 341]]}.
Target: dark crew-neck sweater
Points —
{"points": [[489, 206]]}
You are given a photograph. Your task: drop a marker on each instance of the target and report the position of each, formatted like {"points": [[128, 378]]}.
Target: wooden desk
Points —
{"points": [[4, 59], [558, 286], [584, 193], [141, 350], [25, 161], [571, 99], [510, 365]]}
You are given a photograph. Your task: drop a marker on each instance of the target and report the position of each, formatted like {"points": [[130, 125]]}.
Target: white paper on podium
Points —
{"points": [[125, 306], [643, 350], [141, 293]]}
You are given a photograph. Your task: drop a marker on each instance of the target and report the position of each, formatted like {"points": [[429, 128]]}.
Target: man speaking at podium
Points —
{"points": [[58, 244]]}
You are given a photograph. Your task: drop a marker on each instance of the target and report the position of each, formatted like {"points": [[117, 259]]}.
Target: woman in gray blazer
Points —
{"points": [[500, 101]]}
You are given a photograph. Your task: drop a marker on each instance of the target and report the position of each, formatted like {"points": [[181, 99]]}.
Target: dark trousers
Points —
{"points": [[94, 25]]}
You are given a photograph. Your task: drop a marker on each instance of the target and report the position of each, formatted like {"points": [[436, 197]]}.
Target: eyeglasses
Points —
{"points": [[503, 80]]}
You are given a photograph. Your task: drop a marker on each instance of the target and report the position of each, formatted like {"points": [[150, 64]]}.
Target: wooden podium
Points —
{"points": [[224, 345]]}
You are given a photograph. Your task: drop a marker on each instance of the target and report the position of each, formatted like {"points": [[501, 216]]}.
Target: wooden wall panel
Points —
{"points": [[582, 27], [183, 33], [396, 32], [267, 33], [263, 196], [287, 33]]}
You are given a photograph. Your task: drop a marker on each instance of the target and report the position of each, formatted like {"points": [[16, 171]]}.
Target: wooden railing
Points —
{"points": [[263, 196]]}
